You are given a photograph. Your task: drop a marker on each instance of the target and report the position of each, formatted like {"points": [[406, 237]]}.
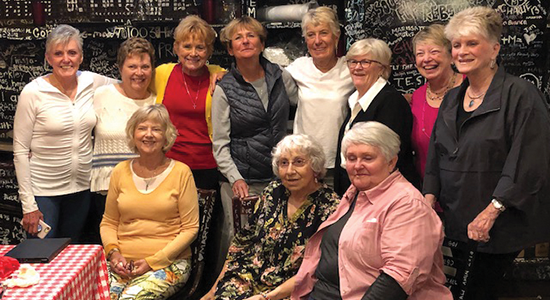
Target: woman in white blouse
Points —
{"points": [[52, 139], [324, 84]]}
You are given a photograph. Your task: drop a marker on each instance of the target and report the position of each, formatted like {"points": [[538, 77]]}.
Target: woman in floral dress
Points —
{"points": [[266, 254]]}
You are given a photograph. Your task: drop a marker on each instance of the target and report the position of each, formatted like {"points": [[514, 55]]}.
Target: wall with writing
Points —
{"points": [[22, 57], [74, 11], [524, 49]]}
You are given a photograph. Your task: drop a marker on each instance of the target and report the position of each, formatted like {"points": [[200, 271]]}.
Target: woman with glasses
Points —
{"points": [[249, 115], [324, 84], [266, 254], [376, 100]]}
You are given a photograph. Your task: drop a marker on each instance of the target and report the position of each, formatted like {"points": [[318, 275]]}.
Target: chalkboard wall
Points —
{"points": [[525, 39]]}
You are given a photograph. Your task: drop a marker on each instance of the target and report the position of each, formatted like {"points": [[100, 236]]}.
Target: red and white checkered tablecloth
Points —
{"points": [[79, 272]]}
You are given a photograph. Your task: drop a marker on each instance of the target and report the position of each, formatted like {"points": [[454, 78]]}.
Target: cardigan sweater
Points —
{"points": [[158, 227], [162, 74]]}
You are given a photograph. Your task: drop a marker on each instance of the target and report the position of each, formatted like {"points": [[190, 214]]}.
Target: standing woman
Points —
{"points": [[489, 158], [433, 60], [375, 100], [184, 88], [114, 104], [52, 140], [324, 84], [249, 113]]}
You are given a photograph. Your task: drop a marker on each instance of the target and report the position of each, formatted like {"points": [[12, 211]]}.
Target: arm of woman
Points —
{"points": [[410, 239], [283, 291], [23, 127], [221, 130], [100, 80], [525, 171], [291, 87], [188, 208], [431, 185]]}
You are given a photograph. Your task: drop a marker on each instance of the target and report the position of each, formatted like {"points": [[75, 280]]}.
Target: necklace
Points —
{"points": [[474, 98], [189, 94], [155, 173], [149, 181], [439, 96]]}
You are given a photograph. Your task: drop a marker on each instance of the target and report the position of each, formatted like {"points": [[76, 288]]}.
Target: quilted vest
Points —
{"points": [[255, 131]]}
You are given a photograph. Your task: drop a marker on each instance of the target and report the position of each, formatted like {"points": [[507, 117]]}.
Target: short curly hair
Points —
{"points": [[481, 20], [303, 144]]}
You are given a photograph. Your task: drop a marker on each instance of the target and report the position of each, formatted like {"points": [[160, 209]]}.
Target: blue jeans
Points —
{"points": [[66, 214]]}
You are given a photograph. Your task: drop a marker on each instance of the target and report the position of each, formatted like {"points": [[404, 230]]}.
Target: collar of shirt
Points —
{"points": [[367, 98]]}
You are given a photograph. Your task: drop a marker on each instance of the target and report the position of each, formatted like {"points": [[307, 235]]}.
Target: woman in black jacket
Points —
{"points": [[375, 100], [489, 159]]}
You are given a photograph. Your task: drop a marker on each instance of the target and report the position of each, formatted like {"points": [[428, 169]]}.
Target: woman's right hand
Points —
{"points": [[240, 188], [30, 221], [117, 262], [431, 199]]}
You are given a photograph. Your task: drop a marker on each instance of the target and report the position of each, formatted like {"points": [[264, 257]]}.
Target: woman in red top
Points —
{"points": [[185, 89]]}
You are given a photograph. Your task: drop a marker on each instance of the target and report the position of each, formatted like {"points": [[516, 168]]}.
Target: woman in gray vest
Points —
{"points": [[250, 108]]}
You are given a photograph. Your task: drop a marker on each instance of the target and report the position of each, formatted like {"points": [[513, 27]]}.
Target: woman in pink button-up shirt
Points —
{"points": [[383, 241]]}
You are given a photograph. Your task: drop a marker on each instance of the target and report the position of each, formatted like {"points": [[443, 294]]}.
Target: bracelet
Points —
{"points": [[111, 253], [265, 296]]}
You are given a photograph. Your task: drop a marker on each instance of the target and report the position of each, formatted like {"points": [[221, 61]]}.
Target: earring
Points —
{"points": [[493, 63], [316, 180]]}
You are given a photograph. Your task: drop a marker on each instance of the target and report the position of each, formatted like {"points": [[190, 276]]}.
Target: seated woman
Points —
{"points": [[152, 213], [383, 241], [266, 254]]}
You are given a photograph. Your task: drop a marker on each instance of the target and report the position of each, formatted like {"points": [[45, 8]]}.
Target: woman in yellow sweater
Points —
{"points": [[151, 214]]}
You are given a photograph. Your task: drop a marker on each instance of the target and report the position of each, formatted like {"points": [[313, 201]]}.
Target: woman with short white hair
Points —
{"points": [[369, 61], [383, 241], [489, 158]]}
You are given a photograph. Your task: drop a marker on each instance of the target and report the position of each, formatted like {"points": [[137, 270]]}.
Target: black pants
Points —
{"points": [[487, 272]]}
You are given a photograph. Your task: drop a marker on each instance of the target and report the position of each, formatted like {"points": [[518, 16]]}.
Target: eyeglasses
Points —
{"points": [[298, 162], [352, 63]]}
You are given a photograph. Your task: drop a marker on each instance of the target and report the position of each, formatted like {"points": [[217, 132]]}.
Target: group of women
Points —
{"points": [[480, 139]]}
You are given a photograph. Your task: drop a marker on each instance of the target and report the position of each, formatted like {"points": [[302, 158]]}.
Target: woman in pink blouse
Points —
{"points": [[383, 241], [433, 60]]}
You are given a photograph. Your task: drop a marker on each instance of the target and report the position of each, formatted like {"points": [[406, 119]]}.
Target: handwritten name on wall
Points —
{"points": [[524, 50]]}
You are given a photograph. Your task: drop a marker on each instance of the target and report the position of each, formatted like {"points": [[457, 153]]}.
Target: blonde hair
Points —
{"points": [[321, 15], [435, 34], [195, 27], [481, 20], [378, 49], [226, 34], [155, 112]]}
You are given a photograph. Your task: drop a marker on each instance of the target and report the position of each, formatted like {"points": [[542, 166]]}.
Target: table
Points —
{"points": [[79, 272]]}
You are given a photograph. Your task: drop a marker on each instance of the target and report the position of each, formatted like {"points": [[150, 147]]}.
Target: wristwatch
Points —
{"points": [[498, 205]]}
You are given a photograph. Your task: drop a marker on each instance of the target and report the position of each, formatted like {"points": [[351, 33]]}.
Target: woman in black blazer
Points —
{"points": [[376, 100]]}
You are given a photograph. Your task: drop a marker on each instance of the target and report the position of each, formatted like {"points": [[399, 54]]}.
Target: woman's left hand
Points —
{"points": [[214, 78], [140, 267], [478, 229]]}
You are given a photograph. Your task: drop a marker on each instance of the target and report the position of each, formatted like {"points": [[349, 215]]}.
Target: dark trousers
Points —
{"points": [[487, 272], [66, 214]]}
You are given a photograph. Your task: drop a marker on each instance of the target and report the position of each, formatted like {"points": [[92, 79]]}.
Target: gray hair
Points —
{"points": [[321, 15], [155, 112], [378, 50], [481, 20], [303, 144], [374, 134], [63, 34]]}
